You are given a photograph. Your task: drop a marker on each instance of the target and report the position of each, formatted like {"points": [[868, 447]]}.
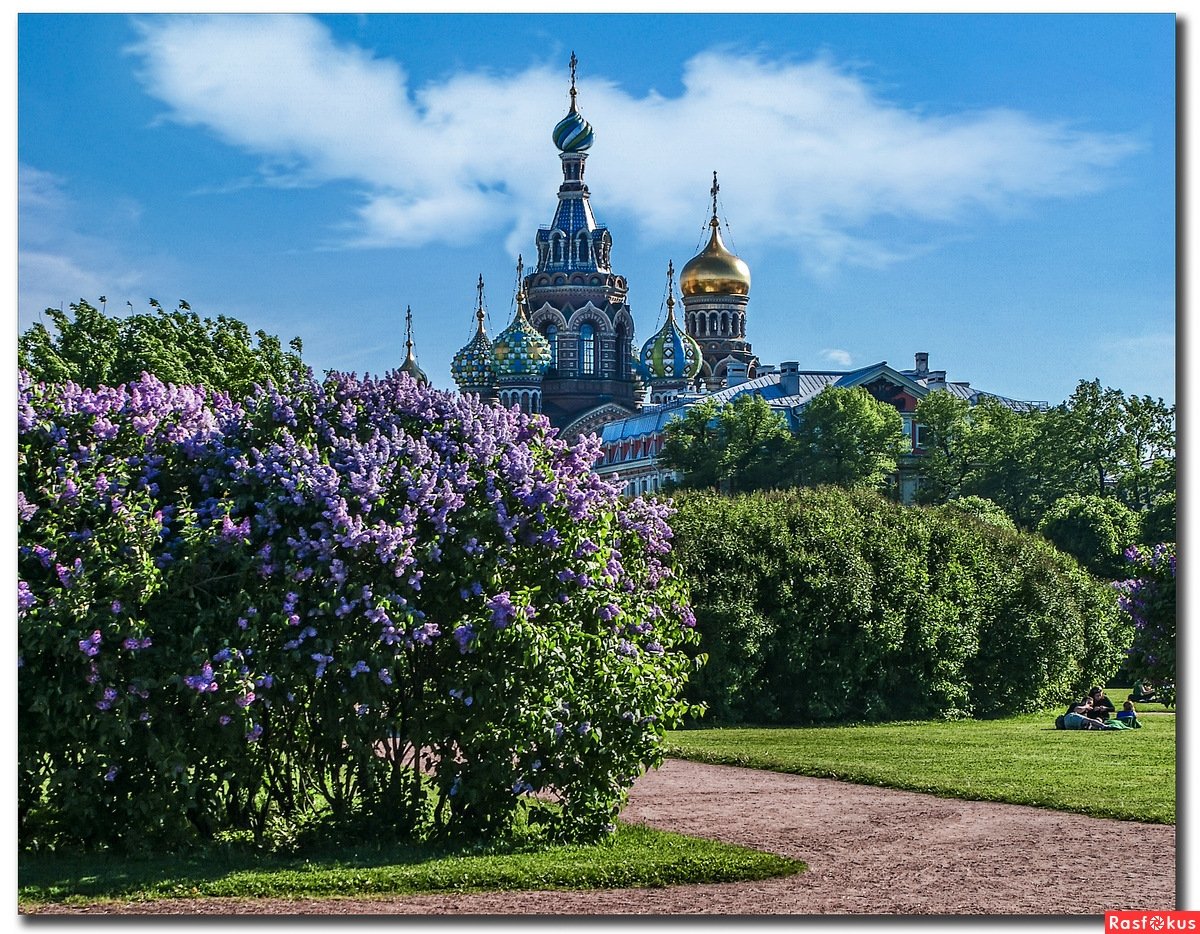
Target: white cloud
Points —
{"points": [[809, 153], [58, 264], [840, 357]]}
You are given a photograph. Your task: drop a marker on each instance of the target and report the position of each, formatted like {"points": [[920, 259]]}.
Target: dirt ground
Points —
{"points": [[870, 851]]}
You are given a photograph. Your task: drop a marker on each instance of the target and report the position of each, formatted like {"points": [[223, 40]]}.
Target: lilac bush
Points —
{"points": [[1148, 596], [361, 597]]}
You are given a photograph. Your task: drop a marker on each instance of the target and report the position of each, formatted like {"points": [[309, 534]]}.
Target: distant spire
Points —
{"points": [[520, 286], [670, 290], [574, 63], [479, 307], [408, 330], [713, 191]]}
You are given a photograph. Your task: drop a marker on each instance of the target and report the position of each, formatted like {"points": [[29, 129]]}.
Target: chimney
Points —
{"points": [[922, 363], [736, 374], [789, 378]]}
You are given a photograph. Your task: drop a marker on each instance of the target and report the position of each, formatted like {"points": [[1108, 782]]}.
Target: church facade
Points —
{"points": [[569, 354]]}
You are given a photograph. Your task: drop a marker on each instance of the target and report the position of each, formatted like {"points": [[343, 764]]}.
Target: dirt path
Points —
{"points": [[869, 851]]}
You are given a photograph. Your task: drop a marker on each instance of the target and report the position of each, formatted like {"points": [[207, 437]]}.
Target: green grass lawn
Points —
{"points": [[635, 856], [1127, 774]]}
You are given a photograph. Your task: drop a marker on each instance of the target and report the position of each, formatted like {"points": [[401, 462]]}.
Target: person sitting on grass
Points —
{"points": [[1079, 716], [1142, 691], [1128, 716], [1102, 707]]}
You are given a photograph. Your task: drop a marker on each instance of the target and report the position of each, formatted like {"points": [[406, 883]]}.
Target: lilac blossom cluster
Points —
{"points": [[1149, 597], [251, 563]]}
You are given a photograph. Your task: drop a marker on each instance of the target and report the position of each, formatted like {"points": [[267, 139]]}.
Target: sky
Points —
{"points": [[995, 190]]}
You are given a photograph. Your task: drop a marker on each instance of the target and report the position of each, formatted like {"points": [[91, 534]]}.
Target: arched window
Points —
{"points": [[587, 350], [551, 335], [583, 248], [556, 249], [712, 323], [622, 362], [725, 323]]}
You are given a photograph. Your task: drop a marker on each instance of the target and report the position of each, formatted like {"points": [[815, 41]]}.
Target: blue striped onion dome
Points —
{"points": [[520, 351], [472, 366], [671, 353], [572, 133]]}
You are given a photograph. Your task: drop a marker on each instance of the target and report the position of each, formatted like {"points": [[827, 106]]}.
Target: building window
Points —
{"points": [[551, 334], [583, 249], [556, 249], [920, 436], [587, 350], [622, 361]]}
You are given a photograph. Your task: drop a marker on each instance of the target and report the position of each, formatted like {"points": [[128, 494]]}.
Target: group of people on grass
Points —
{"points": [[1095, 711]]}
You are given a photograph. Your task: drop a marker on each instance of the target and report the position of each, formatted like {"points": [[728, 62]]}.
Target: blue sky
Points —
{"points": [[998, 191]]}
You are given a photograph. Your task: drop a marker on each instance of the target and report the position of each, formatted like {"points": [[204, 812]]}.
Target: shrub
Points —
{"points": [[984, 510], [361, 596], [1095, 530], [825, 604], [1149, 599]]}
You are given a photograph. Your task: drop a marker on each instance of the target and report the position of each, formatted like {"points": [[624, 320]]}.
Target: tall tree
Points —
{"points": [[947, 456], [846, 437], [735, 447]]}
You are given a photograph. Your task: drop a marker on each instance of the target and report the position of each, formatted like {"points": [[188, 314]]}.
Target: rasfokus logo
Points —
{"points": [[1151, 922]]}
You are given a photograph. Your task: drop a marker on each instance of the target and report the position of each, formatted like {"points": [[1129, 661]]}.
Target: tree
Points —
{"points": [[1095, 530], [93, 349], [946, 460], [734, 447], [848, 438]]}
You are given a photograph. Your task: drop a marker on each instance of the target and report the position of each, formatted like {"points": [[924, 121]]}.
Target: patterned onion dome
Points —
{"points": [[715, 270], [671, 353], [572, 133], [520, 351], [472, 366]]}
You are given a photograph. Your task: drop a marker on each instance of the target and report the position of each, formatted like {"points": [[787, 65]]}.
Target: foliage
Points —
{"points": [[980, 509], [845, 436], [93, 349], [825, 604], [1148, 596], [1021, 760], [1099, 442], [634, 857], [232, 613], [1095, 530], [1159, 522], [738, 446]]}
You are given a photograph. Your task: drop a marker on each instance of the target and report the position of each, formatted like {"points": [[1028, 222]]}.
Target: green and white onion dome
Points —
{"points": [[520, 351], [572, 133], [671, 353]]}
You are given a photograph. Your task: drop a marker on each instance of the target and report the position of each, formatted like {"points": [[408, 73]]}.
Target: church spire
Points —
{"points": [[410, 365]]}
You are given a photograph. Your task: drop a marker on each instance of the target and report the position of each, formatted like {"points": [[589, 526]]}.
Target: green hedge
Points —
{"points": [[819, 605]]}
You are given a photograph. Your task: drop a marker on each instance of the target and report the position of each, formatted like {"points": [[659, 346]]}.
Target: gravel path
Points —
{"points": [[870, 851]]}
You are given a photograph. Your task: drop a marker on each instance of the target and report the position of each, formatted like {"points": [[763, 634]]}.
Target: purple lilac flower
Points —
{"points": [[203, 682], [385, 676], [322, 661], [255, 733], [245, 700], [359, 668], [463, 635], [91, 645], [224, 719], [25, 597], [111, 774]]}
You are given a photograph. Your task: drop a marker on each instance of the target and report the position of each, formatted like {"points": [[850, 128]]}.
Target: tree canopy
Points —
{"points": [[92, 348], [844, 437]]}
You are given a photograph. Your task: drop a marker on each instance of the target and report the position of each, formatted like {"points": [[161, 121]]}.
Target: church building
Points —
{"points": [[569, 352]]}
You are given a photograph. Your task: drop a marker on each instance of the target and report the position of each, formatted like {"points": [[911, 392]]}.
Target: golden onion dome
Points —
{"points": [[714, 270]]}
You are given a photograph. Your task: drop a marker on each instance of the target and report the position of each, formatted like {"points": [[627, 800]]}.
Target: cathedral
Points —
{"points": [[569, 354]]}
